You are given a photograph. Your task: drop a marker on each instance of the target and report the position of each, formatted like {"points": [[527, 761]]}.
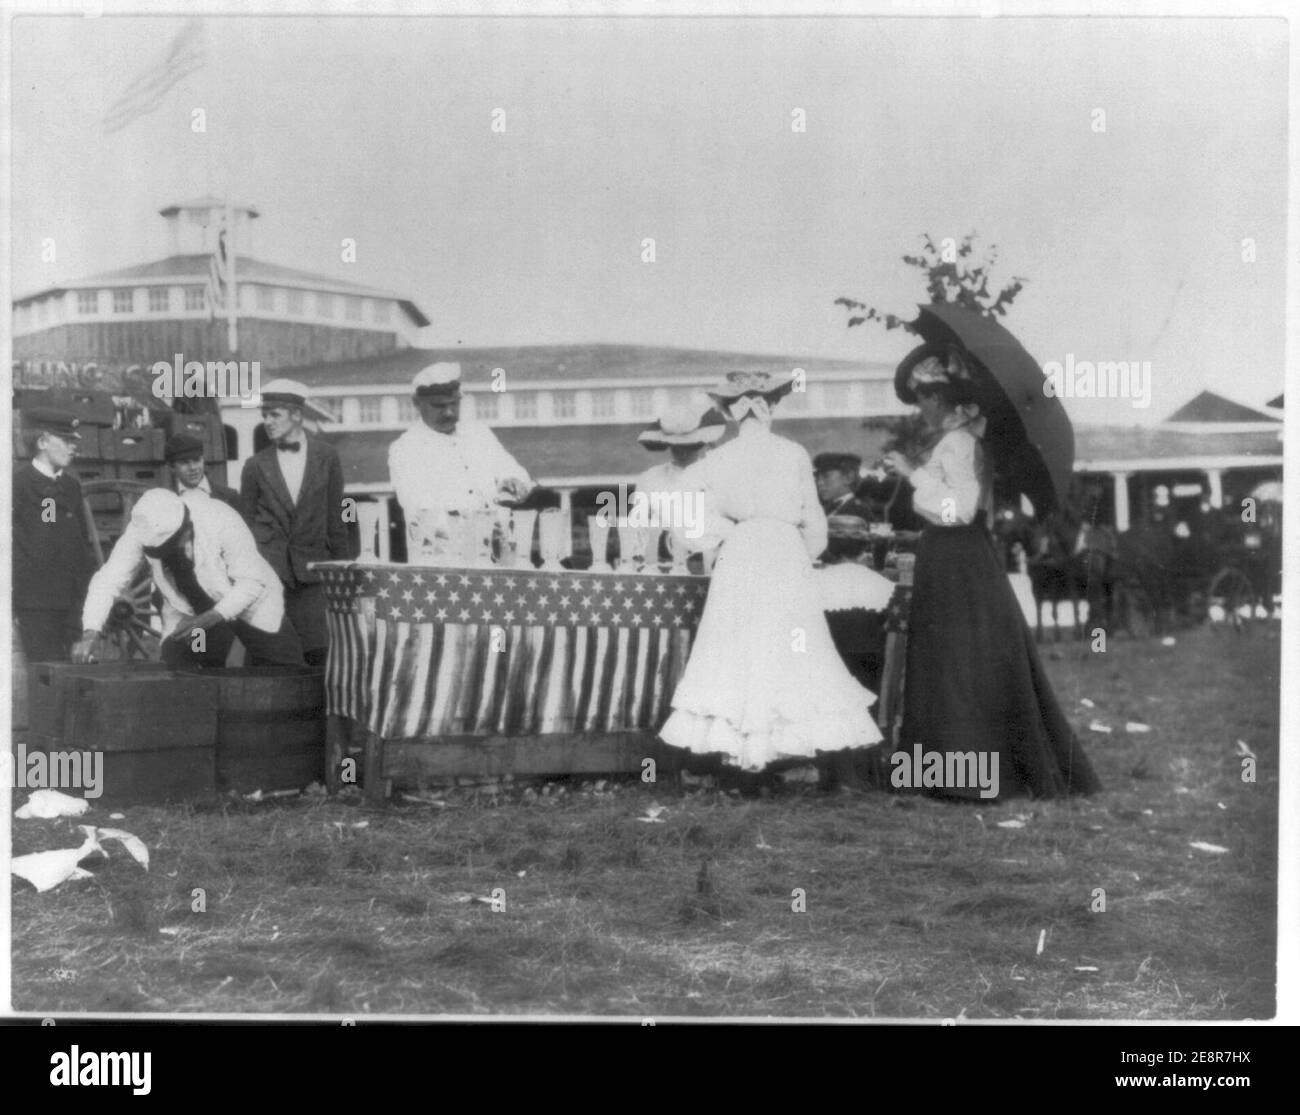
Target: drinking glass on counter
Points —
{"points": [[522, 524], [553, 537], [598, 534], [632, 542]]}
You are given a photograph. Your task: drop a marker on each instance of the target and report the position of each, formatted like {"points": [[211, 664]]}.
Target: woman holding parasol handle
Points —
{"points": [[973, 681]]}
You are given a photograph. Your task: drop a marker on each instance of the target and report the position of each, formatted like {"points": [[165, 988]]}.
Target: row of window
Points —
{"points": [[598, 404], [252, 296]]}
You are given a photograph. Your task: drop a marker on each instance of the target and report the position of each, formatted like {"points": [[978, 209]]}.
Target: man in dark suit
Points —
{"points": [[52, 555], [293, 499], [184, 455]]}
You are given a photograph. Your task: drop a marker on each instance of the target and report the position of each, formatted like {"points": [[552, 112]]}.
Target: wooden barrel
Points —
{"points": [[270, 728]]}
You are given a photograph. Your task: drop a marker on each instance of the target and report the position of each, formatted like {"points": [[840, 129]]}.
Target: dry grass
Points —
{"points": [[915, 908]]}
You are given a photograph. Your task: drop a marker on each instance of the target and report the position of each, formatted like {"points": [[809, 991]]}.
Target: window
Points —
{"points": [[564, 404], [602, 404], [796, 402], [196, 298], [87, 301], [265, 298], [835, 396], [643, 402], [295, 301], [370, 410], [485, 406], [159, 300], [381, 312], [525, 404], [352, 307], [331, 404], [406, 412], [324, 305], [123, 300]]}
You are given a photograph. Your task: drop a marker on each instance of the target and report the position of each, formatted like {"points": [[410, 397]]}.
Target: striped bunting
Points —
{"points": [[418, 652]]}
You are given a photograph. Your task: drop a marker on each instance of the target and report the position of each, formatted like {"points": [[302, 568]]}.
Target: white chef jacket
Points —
{"points": [[226, 562], [462, 471]]}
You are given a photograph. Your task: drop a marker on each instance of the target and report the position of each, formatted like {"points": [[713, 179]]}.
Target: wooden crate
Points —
{"points": [[270, 728], [157, 730], [47, 693], [132, 445]]}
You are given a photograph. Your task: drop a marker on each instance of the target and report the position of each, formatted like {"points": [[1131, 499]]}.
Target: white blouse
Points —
{"points": [[954, 484], [759, 475]]}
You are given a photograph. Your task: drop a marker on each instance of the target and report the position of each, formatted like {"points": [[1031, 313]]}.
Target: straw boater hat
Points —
{"points": [[289, 392], [693, 423], [439, 382], [770, 385]]}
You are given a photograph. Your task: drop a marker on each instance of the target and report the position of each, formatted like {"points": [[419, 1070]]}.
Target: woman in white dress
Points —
{"points": [[764, 683]]}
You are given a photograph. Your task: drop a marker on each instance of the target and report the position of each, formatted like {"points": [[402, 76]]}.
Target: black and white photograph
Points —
{"points": [[647, 514]]}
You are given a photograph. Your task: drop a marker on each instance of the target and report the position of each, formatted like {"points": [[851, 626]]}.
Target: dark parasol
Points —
{"points": [[1029, 437]]}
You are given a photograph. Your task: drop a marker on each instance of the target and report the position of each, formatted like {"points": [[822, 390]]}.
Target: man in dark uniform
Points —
{"points": [[293, 500], [52, 555], [184, 455], [836, 475]]}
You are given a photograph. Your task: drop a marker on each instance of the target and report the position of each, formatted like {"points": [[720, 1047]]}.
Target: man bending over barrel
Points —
{"points": [[215, 586]]}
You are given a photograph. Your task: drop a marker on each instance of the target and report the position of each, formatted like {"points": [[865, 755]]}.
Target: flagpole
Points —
{"points": [[232, 293]]}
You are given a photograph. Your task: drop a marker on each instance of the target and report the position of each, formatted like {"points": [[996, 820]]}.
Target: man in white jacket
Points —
{"points": [[440, 466], [215, 585]]}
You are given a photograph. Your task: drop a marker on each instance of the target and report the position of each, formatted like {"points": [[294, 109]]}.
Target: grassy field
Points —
{"points": [[914, 908]]}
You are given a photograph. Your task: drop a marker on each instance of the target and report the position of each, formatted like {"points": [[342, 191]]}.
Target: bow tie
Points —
{"points": [[289, 446]]}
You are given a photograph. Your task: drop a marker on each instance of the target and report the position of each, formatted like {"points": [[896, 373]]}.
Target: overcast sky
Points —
{"points": [[680, 130]]}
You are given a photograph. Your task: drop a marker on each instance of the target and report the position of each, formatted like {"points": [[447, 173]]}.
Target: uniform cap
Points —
{"points": [[54, 420]]}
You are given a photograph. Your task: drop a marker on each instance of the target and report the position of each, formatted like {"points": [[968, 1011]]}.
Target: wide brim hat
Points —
{"points": [[289, 392], [954, 368], [771, 385], [695, 423], [837, 462]]}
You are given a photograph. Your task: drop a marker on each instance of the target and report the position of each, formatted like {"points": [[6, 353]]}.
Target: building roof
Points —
{"points": [[1209, 407], [543, 363], [248, 269], [1097, 446], [593, 454], [597, 453]]}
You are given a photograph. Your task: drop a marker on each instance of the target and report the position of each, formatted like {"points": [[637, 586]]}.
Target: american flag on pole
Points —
{"points": [[418, 653], [186, 54]]}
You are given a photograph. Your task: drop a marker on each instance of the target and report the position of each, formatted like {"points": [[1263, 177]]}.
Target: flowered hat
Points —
{"points": [[929, 363], [693, 423], [770, 385]]}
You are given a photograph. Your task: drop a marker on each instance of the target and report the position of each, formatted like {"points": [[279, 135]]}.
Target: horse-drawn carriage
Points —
{"points": [[1159, 574]]}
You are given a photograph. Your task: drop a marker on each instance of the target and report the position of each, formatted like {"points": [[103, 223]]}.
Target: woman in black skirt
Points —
{"points": [[973, 681]]}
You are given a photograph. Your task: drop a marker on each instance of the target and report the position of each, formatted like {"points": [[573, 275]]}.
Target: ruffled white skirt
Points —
{"points": [[764, 681]]}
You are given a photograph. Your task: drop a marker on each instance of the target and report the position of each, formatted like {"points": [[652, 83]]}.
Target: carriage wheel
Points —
{"points": [[134, 624], [1232, 597]]}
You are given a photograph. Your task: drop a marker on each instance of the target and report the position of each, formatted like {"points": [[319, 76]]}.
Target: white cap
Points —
{"points": [[157, 515], [442, 378]]}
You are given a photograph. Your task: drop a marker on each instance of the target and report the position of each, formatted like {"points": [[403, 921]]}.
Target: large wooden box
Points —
{"points": [[270, 728], [157, 731], [47, 692]]}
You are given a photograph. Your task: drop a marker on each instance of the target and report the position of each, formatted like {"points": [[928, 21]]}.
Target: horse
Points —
{"points": [[1073, 559]]}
